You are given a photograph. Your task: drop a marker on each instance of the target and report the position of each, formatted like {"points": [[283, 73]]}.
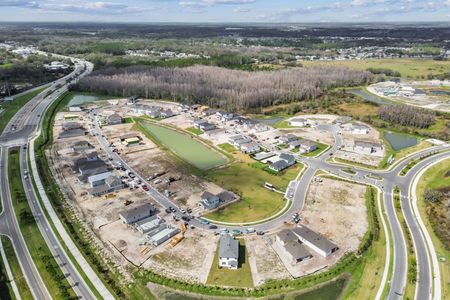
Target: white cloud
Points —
{"points": [[241, 10]]}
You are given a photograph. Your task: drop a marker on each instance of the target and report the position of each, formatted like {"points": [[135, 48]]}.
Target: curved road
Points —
{"points": [[390, 178]]}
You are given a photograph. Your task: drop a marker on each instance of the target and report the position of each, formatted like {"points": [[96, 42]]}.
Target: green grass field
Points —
{"points": [[19, 279], [6, 291], [246, 178], [435, 178], [408, 68], [242, 277], [185, 147], [11, 107], [227, 147], [194, 130], [50, 272]]}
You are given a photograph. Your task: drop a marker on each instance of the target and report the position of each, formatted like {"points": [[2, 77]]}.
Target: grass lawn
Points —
{"points": [[227, 147], [320, 148], [435, 178], [6, 291], [50, 272], [11, 107], [20, 281], [242, 277], [409, 68], [247, 179], [194, 130]]}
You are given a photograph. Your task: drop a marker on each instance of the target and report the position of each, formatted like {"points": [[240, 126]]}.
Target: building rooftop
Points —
{"points": [[229, 247], [131, 212], [297, 250], [314, 238]]}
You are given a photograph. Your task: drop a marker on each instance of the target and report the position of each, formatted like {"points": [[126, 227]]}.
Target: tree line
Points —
{"points": [[406, 115], [234, 90]]}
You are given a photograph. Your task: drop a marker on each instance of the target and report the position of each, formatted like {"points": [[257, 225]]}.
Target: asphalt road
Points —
{"points": [[389, 180], [22, 127]]}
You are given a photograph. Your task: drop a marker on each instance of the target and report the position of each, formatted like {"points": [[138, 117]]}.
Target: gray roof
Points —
{"points": [[81, 143], [287, 157], [114, 118], [131, 212], [71, 125], [297, 250], [207, 195], [314, 238], [287, 236], [229, 247], [279, 165], [113, 181], [72, 133], [307, 143]]}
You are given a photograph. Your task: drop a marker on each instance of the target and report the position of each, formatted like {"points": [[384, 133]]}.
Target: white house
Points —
{"points": [[250, 148], [300, 122], [228, 252], [359, 129], [367, 147]]}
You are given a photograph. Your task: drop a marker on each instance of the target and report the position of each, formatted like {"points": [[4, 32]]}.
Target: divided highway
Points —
{"points": [[21, 128]]}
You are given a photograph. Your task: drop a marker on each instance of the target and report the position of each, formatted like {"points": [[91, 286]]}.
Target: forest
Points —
{"points": [[233, 90], [406, 115]]}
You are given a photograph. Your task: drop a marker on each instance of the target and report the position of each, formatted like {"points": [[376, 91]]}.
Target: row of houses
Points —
{"points": [[295, 244], [144, 219], [244, 143], [154, 112]]}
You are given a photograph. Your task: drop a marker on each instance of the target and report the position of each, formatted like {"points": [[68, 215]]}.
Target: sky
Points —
{"points": [[300, 11]]}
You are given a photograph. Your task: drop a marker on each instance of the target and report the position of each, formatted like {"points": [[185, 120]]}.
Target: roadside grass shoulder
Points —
{"points": [[6, 291], [52, 275], [435, 178], [16, 270], [227, 147], [194, 130], [242, 277]]}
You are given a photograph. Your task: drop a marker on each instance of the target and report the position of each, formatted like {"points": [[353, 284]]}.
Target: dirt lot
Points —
{"points": [[335, 209], [191, 259], [264, 262]]}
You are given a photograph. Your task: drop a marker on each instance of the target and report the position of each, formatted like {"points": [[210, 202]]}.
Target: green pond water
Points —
{"points": [[81, 99], [329, 291], [399, 141], [186, 147], [370, 97]]}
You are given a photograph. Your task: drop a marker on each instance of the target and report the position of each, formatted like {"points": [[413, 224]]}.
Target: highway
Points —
{"points": [[17, 134], [390, 178]]}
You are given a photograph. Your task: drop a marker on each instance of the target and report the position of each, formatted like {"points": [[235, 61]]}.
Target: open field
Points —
{"points": [[242, 277], [435, 178], [409, 68], [19, 279], [11, 107], [358, 110], [51, 274], [185, 147], [246, 180]]}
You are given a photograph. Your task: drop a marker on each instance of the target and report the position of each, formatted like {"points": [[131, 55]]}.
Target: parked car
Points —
{"points": [[204, 222], [168, 210], [182, 210], [250, 230], [236, 232], [212, 227], [260, 233]]}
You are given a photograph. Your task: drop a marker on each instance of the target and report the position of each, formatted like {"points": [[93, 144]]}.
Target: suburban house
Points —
{"points": [[114, 119], [286, 139], [98, 179], [207, 126], [81, 146], [89, 165], [359, 129], [300, 122], [162, 234], [291, 247], [137, 213], [307, 146], [224, 116], [367, 147], [71, 125], [250, 148], [259, 127], [315, 241], [209, 200], [199, 122], [111, 184], [237, 140], [148, 224], [284, 161], [228, 252], [239, 143]]}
